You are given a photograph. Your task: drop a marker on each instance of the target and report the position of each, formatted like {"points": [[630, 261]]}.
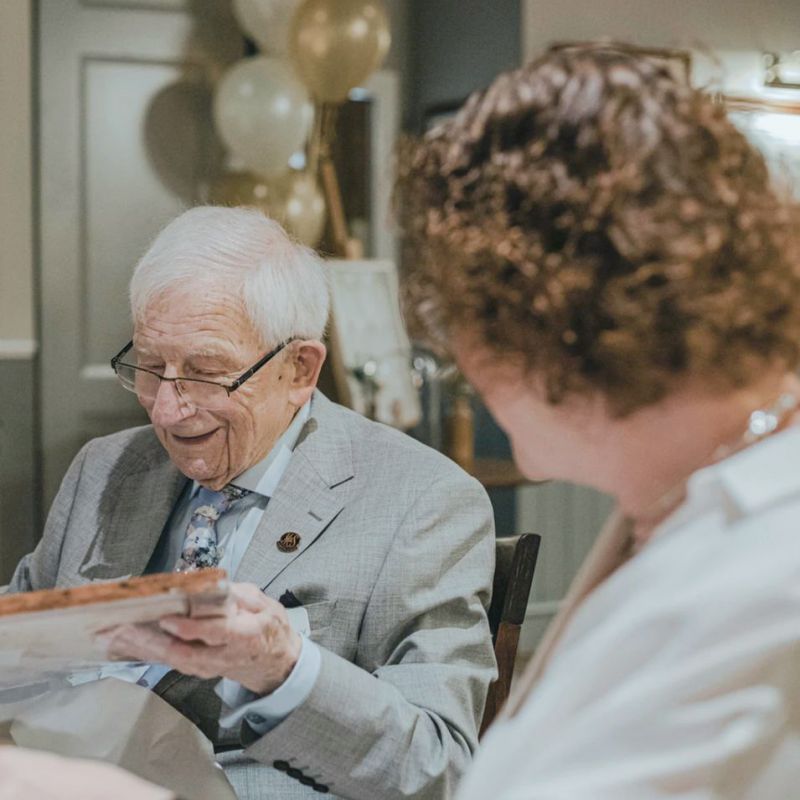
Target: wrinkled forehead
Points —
{"points": [[184, 292], [203, 317]]}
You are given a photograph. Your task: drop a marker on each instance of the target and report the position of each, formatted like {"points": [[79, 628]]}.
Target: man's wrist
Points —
{"points": [[284, 667], [262, 713]]}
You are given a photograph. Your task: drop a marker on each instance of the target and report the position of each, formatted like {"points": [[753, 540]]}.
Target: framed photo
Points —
{"points": [[774, 128], [365, 131], [370, 350], [676, 60]]}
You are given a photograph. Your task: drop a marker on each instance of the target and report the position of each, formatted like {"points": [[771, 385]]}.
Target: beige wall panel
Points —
{"points": [[126, 200], [16, 257]]}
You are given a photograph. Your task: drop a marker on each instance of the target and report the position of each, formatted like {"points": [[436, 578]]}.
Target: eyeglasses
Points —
{"points": [[202, 394]]}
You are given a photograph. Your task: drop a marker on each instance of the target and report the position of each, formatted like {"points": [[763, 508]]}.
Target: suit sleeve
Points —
{"points": [[402, 721], [39, 569]]}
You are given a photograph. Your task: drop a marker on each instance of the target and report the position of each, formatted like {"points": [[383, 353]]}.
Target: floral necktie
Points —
{"points": [[200, 547]]}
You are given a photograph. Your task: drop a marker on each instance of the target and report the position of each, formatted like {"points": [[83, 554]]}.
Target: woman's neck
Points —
{"points": [[652, 453]]}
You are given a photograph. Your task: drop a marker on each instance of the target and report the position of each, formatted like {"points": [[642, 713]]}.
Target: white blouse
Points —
{"points": [[678, 676]]}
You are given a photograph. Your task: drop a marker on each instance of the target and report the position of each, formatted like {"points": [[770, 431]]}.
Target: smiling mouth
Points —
{"points": [[198, 439]]}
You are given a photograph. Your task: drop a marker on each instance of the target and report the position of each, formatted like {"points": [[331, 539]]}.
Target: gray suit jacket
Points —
{"points": [[394, 567]]}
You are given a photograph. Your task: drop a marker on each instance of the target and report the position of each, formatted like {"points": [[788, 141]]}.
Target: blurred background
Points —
{"points": [[115, 115]]}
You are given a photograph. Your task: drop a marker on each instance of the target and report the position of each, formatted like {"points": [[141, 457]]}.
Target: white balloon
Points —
{"points": [[267, 22], [262, 113]]}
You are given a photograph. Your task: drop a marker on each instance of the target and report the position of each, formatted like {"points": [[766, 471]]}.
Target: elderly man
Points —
{"points": [[357, 657]]}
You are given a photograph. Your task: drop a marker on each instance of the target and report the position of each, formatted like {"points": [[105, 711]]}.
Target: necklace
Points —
{"points": [[760, 424]]}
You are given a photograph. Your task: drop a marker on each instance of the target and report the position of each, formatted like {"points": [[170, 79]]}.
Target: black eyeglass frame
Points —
{"points": [[230, 388]]}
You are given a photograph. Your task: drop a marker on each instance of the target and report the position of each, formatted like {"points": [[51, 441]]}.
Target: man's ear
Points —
{"points": [[308, 356]]}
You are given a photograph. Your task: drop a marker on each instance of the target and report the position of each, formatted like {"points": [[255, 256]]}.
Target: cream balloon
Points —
{"points": [[302, 207], [267, 22], [335, 45], [262, 113]]}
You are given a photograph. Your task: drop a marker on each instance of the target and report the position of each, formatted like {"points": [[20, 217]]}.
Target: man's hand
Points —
{"points": [[28, 774], [253, 644]]}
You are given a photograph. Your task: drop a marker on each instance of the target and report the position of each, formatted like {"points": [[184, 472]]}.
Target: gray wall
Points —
{"points": [[455, 47], [18, 485]]}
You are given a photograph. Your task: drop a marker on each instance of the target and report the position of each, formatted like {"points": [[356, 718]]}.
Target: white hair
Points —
{"points": [[282, 284]]}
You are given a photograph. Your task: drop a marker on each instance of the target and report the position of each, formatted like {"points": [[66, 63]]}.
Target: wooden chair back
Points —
{"points": [[516, 558]]}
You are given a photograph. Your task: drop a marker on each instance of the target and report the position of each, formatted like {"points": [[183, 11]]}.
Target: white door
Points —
{"points": [[126, 143]]}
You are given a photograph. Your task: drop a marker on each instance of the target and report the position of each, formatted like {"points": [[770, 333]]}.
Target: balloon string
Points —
{"points": [[323, 132], [321, 168], [315, 141]]}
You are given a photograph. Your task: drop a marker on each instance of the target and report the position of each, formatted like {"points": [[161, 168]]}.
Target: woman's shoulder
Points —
{"points": [[714, 585]]}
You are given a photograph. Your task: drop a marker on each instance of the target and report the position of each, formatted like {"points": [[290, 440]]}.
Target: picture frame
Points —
{"points": [[677, 60], [370, 349], [773, 126]]}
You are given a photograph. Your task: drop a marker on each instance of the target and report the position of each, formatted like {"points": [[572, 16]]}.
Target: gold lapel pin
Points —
{"points": [[289, 542]]}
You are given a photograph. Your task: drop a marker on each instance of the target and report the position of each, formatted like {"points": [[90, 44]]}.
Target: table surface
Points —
{"points": [[495, 473]]}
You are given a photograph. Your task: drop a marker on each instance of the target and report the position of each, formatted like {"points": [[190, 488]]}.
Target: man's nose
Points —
{"points": [[169, 408]]}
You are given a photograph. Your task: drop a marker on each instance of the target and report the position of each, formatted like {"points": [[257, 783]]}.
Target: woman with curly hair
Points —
{"points": [[603, 254]]}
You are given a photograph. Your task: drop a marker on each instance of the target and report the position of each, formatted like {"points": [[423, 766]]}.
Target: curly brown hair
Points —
{"points": [[604, 226]]}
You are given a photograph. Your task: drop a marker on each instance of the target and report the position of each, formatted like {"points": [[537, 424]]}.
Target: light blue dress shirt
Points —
{"points": [[235, 530]]}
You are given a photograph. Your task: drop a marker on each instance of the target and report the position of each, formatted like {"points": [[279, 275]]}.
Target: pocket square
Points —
{"points": [[288, 600]]}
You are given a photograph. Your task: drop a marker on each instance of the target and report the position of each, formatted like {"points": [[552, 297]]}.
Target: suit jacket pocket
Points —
{"points": [[320, 616]]}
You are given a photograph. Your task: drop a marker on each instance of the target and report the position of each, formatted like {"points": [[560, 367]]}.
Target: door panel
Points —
{"points": [[126, 143]]}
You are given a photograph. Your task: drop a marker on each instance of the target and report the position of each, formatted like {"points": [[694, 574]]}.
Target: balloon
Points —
{"points": [[241, 189], [293, 199], [267, 22], [262, 113], [302, 209], [335, 45]]}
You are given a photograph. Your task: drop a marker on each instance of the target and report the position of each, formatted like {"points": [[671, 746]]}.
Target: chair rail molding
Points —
{"points": [[18, 349]]}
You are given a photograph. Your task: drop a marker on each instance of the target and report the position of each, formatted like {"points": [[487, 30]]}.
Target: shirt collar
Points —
{"points": [[265, 475], [757, 477], [763, 474]]}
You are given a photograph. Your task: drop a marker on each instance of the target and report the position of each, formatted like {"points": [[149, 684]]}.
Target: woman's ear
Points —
{"points": [[308, 356]]}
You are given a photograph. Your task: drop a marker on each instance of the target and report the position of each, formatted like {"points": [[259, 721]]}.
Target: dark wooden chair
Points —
{"points": [[513, 575]]}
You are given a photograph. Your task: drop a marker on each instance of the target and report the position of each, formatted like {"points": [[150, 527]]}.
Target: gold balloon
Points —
{"points": [[302, 209], [241, 189], [335, 45], [293, 199]]}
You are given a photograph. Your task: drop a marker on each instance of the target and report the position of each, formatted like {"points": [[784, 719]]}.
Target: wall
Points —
{"points": [[397, 58], [17, 322], [728, 36], [456, 46], [16, 258]]}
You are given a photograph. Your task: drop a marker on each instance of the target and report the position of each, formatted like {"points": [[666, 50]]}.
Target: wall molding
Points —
{"points": [[18, 349]]}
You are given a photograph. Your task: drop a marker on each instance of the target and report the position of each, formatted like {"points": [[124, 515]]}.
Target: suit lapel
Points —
{"points": [[310, 495], [144, 500]]}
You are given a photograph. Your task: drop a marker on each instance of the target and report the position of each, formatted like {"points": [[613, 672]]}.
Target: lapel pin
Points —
{"points": [[289, 542]]}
